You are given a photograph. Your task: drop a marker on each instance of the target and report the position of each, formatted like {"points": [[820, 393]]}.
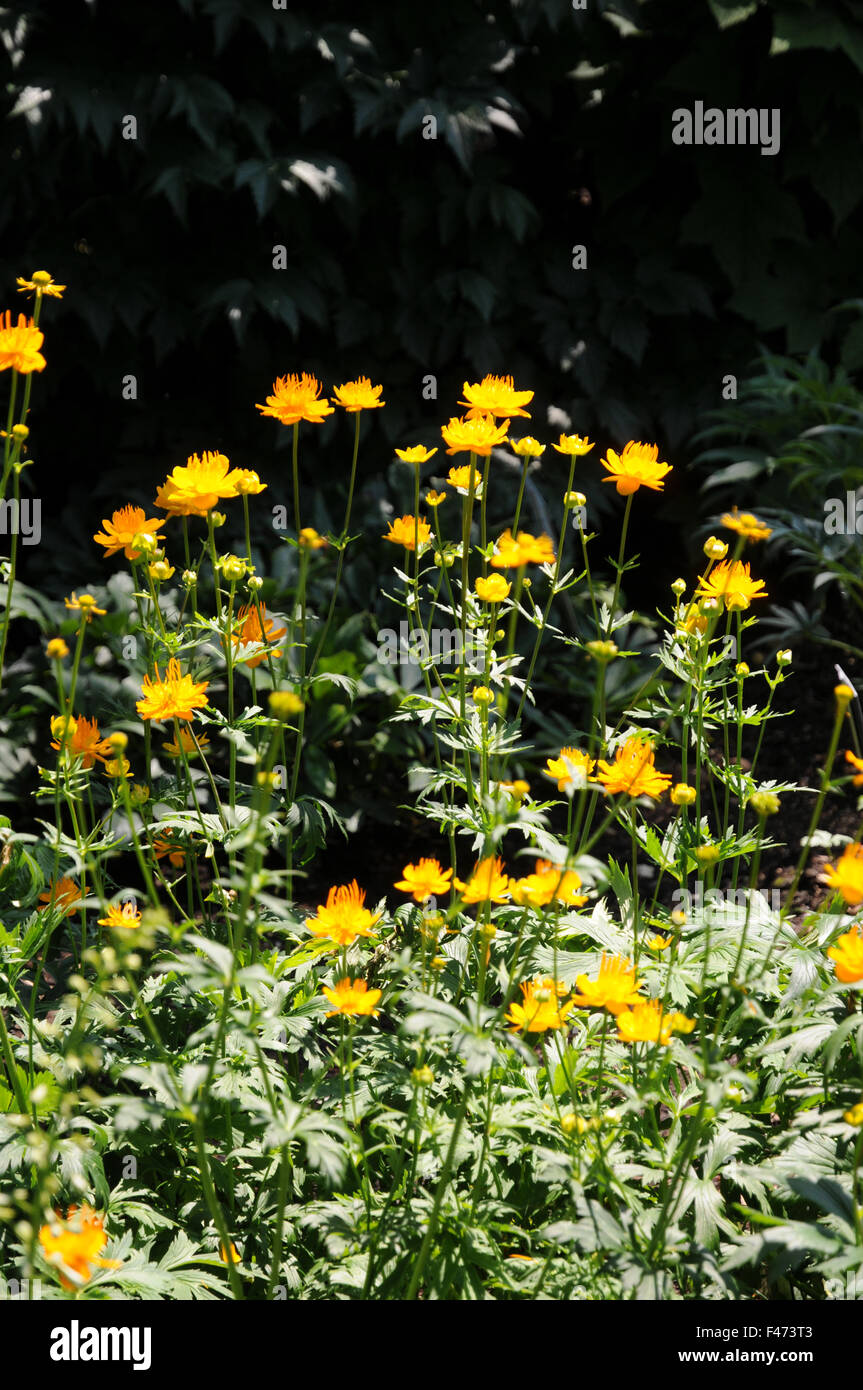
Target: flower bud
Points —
{"points": [[283, 704], [682, 794], [679, 587], [707, 854], [20, 432], [784, 657], [603, 651], [56, 649], [139, 794], [714, 548], [741, 669], [764, 803], [574, 499], [255, 583]]}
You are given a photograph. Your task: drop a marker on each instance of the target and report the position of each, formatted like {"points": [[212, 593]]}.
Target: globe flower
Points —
{"points": [[517, 789], [659, 943], [175, 852], [548, 884], [62, 894], [615, 987], [745, 524], [297, 398], [124, 525], [194, 489], [495, 396], [493, 589], [847, 875], [20, 344], [186, 745], [527, 448], [352, 998], [460, 479], [424, 879], [731, 581], [118, 768], [434, 499], [122, 915], [511, 552], [857, 764], [256, 627], [540, 1008], [344, 917], [41, 282], [854, 1116], [358, 395], [647, 1023], [56, 649], [84, 742], [73, 1245], [487, 883], [232, 1254], [847, 955], [175, 697], [247, 483], [417, 453], [310, 539], [404, 530], [632, 771], [86, 604], [573, 444], [474, 435], [571, 768], [635, 467]]}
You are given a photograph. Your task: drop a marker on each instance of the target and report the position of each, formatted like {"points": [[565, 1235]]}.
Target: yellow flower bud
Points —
{"points": [[139, 794], [764, 803], [707, 854], [56, 649], [603, 651], [741, 669], [714, 548], [682, 794], [481, 695], [284, 703], [63, 727], [20, 432], [422, 1076], [118, 741]]}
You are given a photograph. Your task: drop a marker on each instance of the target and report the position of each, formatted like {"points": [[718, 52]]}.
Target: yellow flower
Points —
{"points": [[344, 917], [124, 525], [352, 997], [844, 695], [714, 548], [358, 395], [511, 552], [417, 453], [62, 894], [232, 1251], [284, 704], [297, 398], [615, 987], [854, 1116], [856, 763], [405, 531], [682, 794], [633, 772], [647, 1023], [527, 448], [125, 915], [84, 741], [194, 489], [434, 499], [847, 955], [495, 396], [73, 1245], [86, 604], [186, 745], [487, 883], [160, 570], [175, 697], [731, 580], [659, 943], [569, 776], [547, 884], [636, 467], [540, 1008], [256, 627], [56, 649], [19, 345], [63, 727], [473, 435], [247, 483], [481, 695], [41, 282], [745, 524], [310, 539], [573, 444], [494, 589], [518, 789], [424, 879], [118, 768], [460, 479]]}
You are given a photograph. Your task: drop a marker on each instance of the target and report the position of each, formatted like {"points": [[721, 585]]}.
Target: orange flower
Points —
{"points": [[647, 1023], [175, 852], [547, 884], [487, 883], [345, 916], [847, 955], [194, 489], [632, 771], [86, 743], [19, 346], [124, 525], [404, 531], [72, 1246], [847, 875], [62, 894], [415, 453], [297, 398], [540, 1008], [352, 997], [731, 580], [496, 396], [615, 987], [460, 479], [175, 697], [511, 552], [424, 879], [745, 524], [474, 436], [358, 395], [568, 767], [857, 764], [635, 467], [122, 915], [253, 629]]}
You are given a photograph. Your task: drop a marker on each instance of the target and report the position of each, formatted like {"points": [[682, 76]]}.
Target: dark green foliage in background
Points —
{"points": [[302, 127]]}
